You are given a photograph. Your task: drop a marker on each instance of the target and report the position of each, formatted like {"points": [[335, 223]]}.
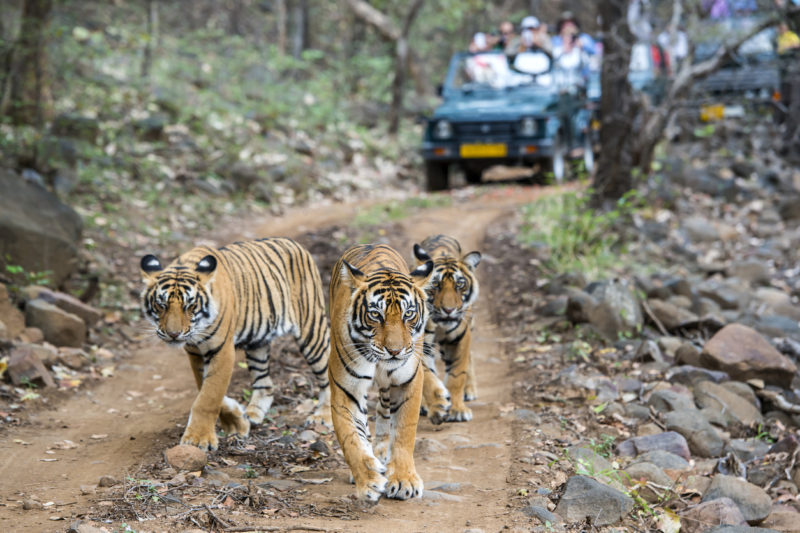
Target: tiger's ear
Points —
{"points": [[472, 259], [422, 274], [421, 254], [206, 267], [352, 276], [150, 266]]}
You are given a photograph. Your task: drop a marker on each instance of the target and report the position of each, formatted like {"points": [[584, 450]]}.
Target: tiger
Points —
{"points": [[378, 316], [454, 290], [239, 296]]}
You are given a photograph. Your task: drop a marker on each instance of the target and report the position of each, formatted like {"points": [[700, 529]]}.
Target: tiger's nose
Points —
{"points": [[173, 334], [392, 352], [449, 310]]}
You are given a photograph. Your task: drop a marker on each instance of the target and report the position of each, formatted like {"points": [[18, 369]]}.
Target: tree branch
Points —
{"points": [[375, 18]]}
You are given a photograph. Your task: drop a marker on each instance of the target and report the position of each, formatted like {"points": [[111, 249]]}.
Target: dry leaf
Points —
{"points": [[98, 436]]}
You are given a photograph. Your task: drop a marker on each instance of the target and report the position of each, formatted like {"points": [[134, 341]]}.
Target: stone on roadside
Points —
{"points": [[186, 457], [30, 505], [724, 295], [752, 271], [687, 354], [703, 439], [12, 317], [744, 354], [669, 441], [32, 335], [578, 305], [689, 375], [783, 518], [699, 229], [588, 462], [748, 449], [543, 515], [720, 511], [59, 327], [670, 315], [620, 298], [641, 473], [74, 358], [107, 481], [68, 303], [666, 400], [427, 448], [741, 529], [24, 366], [585, 498], [732, 406], [663, 459], [754, 502]]}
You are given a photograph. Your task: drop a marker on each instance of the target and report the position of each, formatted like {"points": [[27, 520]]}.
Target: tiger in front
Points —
{"points": [[213, 301], [453, 291], [378, 317]]}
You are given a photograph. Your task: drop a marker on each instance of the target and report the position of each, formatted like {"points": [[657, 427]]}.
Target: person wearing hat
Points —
{"points": [[533, 34], [568, 29]]}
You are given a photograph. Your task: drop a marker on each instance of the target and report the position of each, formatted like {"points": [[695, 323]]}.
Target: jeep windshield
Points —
{"points": [[492, 72]]}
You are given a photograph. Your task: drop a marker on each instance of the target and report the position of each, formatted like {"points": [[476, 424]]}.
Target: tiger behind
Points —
{"points": [[453, 291], [238, 296], [378, 317]]}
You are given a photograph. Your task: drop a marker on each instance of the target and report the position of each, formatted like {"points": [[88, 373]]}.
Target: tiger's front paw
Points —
{"points": [[372, 483], [403, 487], [203, 438], [321, 415], [460, 413], [232, 419], [440, 406], [470, 394]]}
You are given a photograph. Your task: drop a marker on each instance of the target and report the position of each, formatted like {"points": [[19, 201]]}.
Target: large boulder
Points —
{"points": [[744, 354], [59, 327], [586, 498], [617, 302], [38, 232], [754, 502], [68, 303]]}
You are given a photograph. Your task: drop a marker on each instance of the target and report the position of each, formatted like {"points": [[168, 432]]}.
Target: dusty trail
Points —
{"points": [[136, 415]]}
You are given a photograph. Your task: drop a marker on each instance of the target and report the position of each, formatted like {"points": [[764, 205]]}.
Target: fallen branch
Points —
{"points": [[279, 528], [654, 318]]}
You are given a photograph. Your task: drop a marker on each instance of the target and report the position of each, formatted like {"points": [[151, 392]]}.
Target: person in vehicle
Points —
{"points": [[508, 38], [479, 43], [538, 37], [568, 26], [787, 39]]}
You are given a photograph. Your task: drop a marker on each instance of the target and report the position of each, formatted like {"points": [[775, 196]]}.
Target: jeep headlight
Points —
{"points": [[442, 129], [527, 127]]}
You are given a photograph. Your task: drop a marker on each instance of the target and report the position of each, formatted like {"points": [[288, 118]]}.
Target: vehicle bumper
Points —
{"points": [[517, 151]]}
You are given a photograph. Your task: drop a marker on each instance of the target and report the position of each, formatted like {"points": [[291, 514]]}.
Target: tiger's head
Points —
{"points": [[177, 300], [387, 313], [454, 287]]}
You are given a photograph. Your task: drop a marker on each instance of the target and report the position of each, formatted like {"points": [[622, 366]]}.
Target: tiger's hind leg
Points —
{"points": [[316, 351], [435, 397], [470, 389], [261, 397], [232, 419]]}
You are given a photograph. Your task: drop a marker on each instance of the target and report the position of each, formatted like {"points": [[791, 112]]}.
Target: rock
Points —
{"points": [[76, 127], [619, 296], [151, 129], [526, 415], [642, 472], [748, 449], [586, 498], [4, 336], [244, 176], [754, 502], [32, 335], [663, 459], [671, 316], [12, 317], [666, 400], [732, 406], [68, 303], [186, 457], [751, 271], [107, 481], [320, 446], [542, 514], [698, 229], [773, 325], [789, 208], [782, 518], [588, 462], [687, 354], [74, 358], [39, 232], [427, 448], [25, 367], [59, 327], [440, 496], [745, 391], [744, 354], [725, 296], [30, 505], [689, 375], [669, 345], [82, 527], [53, 154], [307, 435], [578, 305], [446, 487], [669, 441], [605, 320], [740, 529], [701, 436], [721, 511]]}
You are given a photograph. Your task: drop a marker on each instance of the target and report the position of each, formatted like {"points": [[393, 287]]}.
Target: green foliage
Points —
{"points": [[20, 276], [576, 236], [603, 447]]}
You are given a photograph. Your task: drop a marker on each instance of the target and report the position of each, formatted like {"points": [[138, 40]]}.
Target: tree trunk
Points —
{"points": [[300, 35], [30, 101], [152, 35], [618, 108], [280, 14], [790, 89]]}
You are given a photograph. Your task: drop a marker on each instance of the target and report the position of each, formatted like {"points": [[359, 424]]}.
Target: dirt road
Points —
{"points": [[129, 420]]}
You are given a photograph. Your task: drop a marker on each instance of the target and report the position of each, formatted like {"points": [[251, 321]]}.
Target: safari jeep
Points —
{"points": [[497, 112]]}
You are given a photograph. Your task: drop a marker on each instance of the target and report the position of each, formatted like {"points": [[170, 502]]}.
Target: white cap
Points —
{"points": [[529, 22], [480, 40]]}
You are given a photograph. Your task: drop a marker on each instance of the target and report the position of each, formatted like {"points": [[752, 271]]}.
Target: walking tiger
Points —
{"points": [[238, 296]]}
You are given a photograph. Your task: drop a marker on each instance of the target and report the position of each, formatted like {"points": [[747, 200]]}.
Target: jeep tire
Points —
{"points": [[436, 175]]}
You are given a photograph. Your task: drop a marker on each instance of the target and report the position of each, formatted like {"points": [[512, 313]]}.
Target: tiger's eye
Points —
{"points": [[461, 283], [374, 315], [409, 313]]}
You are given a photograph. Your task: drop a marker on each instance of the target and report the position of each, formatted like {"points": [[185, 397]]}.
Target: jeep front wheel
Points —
{"points": [[436, 175]]}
